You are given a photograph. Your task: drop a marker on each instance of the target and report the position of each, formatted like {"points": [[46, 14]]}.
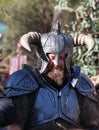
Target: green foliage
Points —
{"points": [[86, 21], [22, 16], [60, 4]]}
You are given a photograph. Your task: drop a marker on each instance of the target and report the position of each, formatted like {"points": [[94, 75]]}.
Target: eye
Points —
{"points": [[51, 56], [63, 56]]}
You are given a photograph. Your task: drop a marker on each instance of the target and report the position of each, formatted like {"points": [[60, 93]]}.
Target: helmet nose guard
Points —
{"points": [[56, 60]]}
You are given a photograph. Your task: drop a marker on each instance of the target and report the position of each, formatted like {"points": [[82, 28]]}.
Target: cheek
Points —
{"points": [[50, 64], [62, 64]]}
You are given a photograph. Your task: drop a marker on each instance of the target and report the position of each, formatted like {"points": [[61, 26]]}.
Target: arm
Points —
{"points": [[24, 105], [95, 80], [14, 127], [8, 111], [89, 114], [22, 113]]}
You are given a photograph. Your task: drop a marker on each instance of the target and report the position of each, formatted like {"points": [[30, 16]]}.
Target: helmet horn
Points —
{"points": [[81, 40], [30, 38]]}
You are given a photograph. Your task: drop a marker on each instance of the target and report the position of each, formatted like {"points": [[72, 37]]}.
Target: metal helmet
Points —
{"points": [[56, 42]]}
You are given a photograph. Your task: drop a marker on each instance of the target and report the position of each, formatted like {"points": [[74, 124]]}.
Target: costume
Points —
{"points": [[45, 105], [7, 107], [50, 104]]}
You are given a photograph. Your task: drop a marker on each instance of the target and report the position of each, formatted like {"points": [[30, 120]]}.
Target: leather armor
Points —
{"points": [[50, 104], [21, 82]]}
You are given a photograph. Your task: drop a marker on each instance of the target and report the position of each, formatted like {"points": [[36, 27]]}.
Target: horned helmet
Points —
{"points": [[56, 42]]}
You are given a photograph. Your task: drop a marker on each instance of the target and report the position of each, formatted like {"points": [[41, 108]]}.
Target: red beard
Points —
{"points": [[56, 74]]}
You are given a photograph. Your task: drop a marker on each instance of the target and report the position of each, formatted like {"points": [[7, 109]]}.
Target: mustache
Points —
{"points": [[58, 67]]}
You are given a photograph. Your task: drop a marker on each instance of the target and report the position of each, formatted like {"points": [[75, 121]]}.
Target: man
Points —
{"points": [[95, 80], [57, 96]]}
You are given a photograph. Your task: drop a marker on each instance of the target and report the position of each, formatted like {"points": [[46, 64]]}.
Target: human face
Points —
{"points": [[56, 60], [56, 67]]}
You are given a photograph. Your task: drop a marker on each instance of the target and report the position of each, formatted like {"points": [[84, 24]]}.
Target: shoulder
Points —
{"points": [[82, 83], [20, 82], [85, 86]]}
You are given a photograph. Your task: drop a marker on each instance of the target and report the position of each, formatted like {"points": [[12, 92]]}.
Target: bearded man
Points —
{"points": [[57, 96]]}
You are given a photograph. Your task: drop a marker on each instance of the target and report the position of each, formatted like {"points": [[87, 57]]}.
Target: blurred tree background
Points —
{"points": [[22, 16]]}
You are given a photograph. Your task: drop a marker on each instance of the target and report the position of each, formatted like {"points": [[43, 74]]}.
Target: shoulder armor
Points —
{"points": [[85, 86], [82, 83], [75, 76], [20, 82]]}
